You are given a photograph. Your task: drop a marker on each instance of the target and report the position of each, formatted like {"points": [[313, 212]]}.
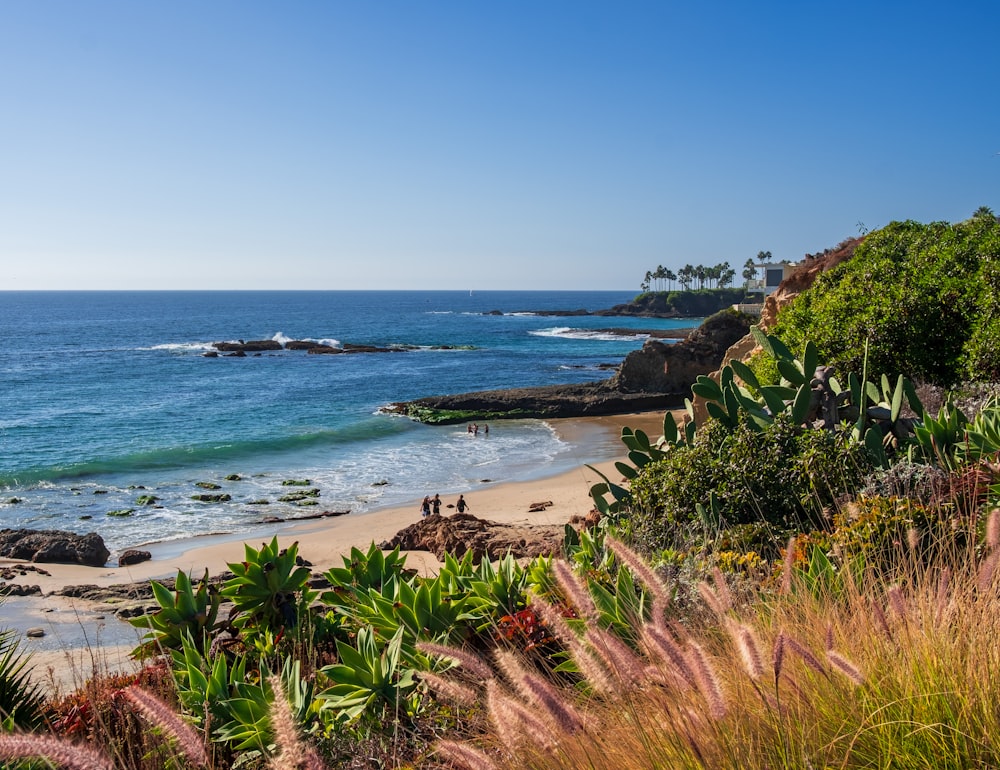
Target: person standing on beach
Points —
{"points": [[425, 506], [461, 506], [436, 504]]}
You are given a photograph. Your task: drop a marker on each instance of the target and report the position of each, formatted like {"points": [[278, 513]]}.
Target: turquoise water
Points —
{"points": [[106, 396]]}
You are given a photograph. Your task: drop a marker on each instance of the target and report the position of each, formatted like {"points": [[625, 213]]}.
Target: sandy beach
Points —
{"points": [[80, 636]]}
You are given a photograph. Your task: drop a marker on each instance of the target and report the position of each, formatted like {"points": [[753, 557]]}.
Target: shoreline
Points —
{"points": [[83, 637], [328, 538]]}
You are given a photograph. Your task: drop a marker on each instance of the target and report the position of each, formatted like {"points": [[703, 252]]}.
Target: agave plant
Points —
{"points": [[368, 674], [185, 612], [21, 700], [268, 588]]}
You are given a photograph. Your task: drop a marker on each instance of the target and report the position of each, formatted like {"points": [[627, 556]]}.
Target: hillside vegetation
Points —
{"points": [[682, 304], [921, 299]]}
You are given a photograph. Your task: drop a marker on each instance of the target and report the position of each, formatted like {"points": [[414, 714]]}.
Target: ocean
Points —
{"points": [[107, 398]]}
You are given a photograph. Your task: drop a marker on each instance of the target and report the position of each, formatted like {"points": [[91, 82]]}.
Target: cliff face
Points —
{"points": [[803, 277], [661, 368]]}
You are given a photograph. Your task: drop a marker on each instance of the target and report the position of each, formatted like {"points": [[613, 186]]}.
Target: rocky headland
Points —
{"points": [[658, 376]]}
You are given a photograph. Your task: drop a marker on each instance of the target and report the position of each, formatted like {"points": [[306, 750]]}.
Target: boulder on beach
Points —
{"points": [[463, 532], [54, 547], [133, 556]]}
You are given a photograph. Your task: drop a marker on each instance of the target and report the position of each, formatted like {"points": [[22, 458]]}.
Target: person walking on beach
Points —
{"points": [[461, 506], [425, 506], [436, 504]]}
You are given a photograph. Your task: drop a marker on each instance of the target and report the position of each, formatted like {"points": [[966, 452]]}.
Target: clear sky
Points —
{"points": [[564, 144]]}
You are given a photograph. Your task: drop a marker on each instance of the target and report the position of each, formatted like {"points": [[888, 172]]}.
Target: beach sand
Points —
{"points": [[66, 655]]}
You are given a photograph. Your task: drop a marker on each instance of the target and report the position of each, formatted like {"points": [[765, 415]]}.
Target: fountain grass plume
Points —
{"points": [[450, 689], [57, 752], [286, 734], [722, 591], [987, 571], [711, 599], [541, 694], [993, 529], [161, 715], [587, 663], [515, 722], [806, 654], [619, 658], [898, 602], [746, 644], [471, 663], [881, 620], [706, 680], [661, 593], [576, 590], [845, 667], [463, 755], [778, 656], [662, 648]]}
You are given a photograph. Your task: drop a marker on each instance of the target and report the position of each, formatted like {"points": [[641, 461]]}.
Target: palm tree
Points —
{"points": [[659, 277], [749, 272], [684, 277], [699, 273], [764, 257], [671, 276], [644, 286]]}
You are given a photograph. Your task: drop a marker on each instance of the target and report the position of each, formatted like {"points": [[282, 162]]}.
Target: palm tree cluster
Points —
{"points": [[716, 276]]}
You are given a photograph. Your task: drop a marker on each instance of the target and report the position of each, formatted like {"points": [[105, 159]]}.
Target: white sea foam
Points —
{"points": [[181, 347], [284, 340], [567, 332]]}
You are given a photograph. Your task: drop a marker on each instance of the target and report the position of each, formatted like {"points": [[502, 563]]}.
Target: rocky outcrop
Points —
{"points": [[672, 369], [462, 532], [54, 547], [678, 304], [588, 399], [254, 346], [241, 348], [659, 376]]}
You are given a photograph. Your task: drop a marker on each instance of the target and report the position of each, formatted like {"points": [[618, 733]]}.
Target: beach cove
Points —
{"points": [[116, 421], [82, 637]]}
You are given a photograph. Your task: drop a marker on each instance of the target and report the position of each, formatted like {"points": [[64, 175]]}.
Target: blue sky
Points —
{"points": [[470, 145]]}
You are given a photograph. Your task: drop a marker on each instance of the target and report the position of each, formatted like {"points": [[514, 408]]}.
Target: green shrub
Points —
{"points": [[924, 296], [782, 475]]}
